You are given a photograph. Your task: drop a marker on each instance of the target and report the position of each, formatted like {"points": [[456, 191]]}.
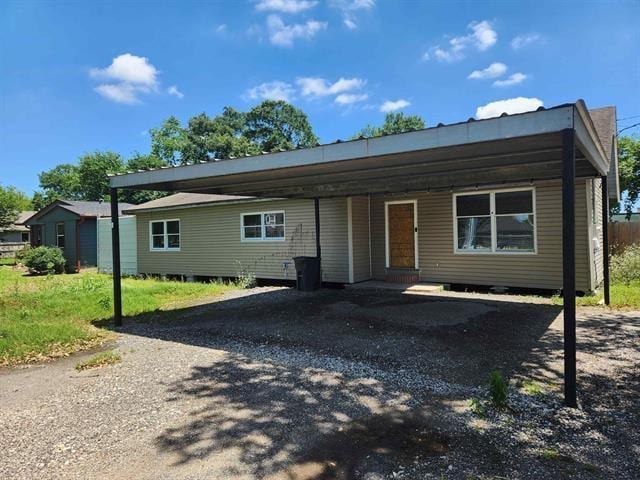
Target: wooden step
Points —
{"points": [[402, 275]]}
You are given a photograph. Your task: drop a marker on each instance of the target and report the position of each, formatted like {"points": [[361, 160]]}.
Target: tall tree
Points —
{"points": [[168, 141], [393, 123], [93, 170], [276, 124], [62, 181], [12, 202], [629, 168]]}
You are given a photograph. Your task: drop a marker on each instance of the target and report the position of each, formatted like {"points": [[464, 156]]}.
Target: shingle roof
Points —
{"points": [[91, 209], [604, 120], [24, 216], [185, 199]]}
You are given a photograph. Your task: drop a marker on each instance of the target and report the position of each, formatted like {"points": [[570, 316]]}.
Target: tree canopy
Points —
{"points": [[393, 123], [12, 202], [629, 170]]}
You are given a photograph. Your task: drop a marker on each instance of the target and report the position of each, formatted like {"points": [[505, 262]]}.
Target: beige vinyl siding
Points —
{"points": [[210, 240], [596, 245], [438, 262], [360, 238]]}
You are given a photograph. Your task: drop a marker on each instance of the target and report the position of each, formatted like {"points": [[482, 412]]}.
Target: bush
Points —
{"points": [[498, 389], [44, 260], [625, 266], [246, 278]]}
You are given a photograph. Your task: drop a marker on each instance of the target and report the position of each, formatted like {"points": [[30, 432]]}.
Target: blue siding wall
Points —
{"points": [[88, 243]]}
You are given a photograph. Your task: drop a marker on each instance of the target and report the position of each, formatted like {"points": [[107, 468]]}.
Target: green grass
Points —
{"points": [[533, 388], [7, 260], [623, 295], [101, 359], [49, 316]]}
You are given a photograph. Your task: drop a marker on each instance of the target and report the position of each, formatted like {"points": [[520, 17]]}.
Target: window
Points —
{"points": [[262, 226], [495, 222], [164, 235], [60, 235], [25, 237]]}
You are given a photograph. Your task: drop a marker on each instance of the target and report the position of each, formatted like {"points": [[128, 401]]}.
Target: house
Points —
{"points": [[493, 232], [18, 232], [70, 225]]}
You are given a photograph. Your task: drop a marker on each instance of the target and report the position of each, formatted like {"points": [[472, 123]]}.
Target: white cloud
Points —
{"points": [[130, 69], [481, 37], [349, 98], [513, 79], [492, 71], [275, 90], [350, 10], [128, 77], [319, 87], [284, 35], [510, 106], [523, 40], [392, 106], [173, 90], [119, 92], [285, 6], [222, 28]]}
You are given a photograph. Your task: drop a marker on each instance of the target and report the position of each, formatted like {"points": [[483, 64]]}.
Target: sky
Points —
{"points": [[76, 77]]}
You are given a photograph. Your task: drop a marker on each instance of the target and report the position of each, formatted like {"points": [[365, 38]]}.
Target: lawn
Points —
{"points": [[7, 260], [49, 316]]}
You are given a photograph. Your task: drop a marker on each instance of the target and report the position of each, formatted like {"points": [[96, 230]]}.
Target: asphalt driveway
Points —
{"points": [[274, 383]]}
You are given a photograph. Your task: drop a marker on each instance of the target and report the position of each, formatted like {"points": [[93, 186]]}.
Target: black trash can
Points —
{"points": [[307, 273]]}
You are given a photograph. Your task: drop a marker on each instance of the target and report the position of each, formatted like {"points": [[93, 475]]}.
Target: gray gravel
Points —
{"points": [[279, 384]]}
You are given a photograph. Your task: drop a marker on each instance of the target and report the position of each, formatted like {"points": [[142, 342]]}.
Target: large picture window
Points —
{"points": [[262, 226], [495, 222], [164, 235]]}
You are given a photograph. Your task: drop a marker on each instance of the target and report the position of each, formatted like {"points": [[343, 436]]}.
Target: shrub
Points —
{"points": [[498, 389], [44, 260], [625, 266], [246, 278]]}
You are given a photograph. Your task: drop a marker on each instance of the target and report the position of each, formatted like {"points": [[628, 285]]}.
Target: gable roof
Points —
{"points": [[185, 200], [19, 224], [82, 208]]}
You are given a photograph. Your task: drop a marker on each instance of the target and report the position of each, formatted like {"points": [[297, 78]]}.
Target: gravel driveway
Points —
{"points": [[274, 383]]}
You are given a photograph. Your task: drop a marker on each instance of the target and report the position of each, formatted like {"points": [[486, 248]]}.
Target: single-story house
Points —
{"points": [[517, 199], [506, 233], [18, 232], [70, 225]]}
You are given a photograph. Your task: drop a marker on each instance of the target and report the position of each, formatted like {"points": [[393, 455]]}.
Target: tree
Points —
{"points": [[629, 171], [93, 170], [275, 124], [62, 181], [140, 161], [168, 141], [393, 123], [12, 202]]}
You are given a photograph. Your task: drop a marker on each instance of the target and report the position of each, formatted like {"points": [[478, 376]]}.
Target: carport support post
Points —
{"points": [[569, 264], [605, 239], [115, 250]]}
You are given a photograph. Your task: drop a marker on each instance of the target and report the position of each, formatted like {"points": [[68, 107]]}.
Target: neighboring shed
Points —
{"points": [[70, 225], [128, 245], [18, 232]]}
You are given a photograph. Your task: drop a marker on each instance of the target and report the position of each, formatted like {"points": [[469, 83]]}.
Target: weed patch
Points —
{"points": [[99, 360]]}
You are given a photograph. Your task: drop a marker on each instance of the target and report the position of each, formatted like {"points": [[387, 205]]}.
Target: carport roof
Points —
{"points": [[509, 148]]}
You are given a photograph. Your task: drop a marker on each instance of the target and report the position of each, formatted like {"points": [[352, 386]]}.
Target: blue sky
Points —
{"points": [[83, 76]]}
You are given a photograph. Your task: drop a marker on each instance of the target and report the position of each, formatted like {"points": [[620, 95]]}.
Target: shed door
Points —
{"points": [[401, 228]]}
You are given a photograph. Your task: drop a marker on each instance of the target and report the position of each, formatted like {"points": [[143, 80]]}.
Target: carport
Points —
{"points": [[554, 143]]}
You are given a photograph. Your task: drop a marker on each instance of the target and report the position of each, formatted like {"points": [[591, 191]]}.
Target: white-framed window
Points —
{"points": [[60, 234], [262, 226], [495, 221], [164, 235]]}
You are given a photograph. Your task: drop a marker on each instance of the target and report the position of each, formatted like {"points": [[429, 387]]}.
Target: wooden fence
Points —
{"points": [[623, 234]]}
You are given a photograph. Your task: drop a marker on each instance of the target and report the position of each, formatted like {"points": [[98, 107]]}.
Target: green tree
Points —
{"points": [[137, 162], [275, 124], [629, 171], [93, 170], [393, 123], [168, 141], [62, 181], [12, 202], [41, 199]]}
